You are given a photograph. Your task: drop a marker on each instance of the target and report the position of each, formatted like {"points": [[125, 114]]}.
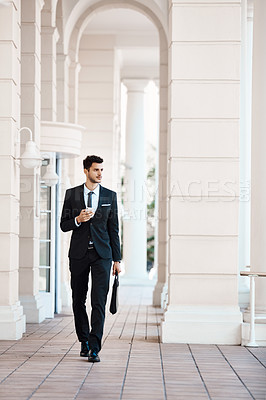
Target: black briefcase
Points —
{"points": [[114, 298]]}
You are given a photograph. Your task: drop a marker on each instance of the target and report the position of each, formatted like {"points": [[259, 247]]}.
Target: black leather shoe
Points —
{"points": [[84, 352], [93, 356]]}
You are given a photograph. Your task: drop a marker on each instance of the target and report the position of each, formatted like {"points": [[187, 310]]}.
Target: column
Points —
{"points": [[203, 174], [134, 220], [74, 70], [258, 148], [94, 90], [12, 320], [49, 38], [63, 63], [161, 287], [245, 159], [29, 193]]}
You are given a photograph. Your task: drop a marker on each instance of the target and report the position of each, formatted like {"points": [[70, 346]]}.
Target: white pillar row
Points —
{"points": [[12, 319], [161, 287], [30, 117], [203, 176], [134, 220], [258, 151], [49, 38]]}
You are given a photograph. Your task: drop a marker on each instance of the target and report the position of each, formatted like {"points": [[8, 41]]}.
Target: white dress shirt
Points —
{"points": [[94, 199]]}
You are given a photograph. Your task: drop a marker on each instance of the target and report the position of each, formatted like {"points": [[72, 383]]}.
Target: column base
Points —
{"points": [[33, 308], [164, 297], [12, 322], [260, 334], [198, 327], [157, 293], [160, 295]]}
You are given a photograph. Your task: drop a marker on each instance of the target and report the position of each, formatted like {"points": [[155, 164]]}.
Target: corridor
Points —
{"points": [[45, 363]]}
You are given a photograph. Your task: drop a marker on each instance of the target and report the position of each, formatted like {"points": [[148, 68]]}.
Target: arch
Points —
{"points": [[74, 29], [83, 11], [59, 19]]}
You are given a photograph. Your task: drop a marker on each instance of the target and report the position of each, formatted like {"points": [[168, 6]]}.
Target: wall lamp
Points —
{"points": [[50, 177], [31, 158]]}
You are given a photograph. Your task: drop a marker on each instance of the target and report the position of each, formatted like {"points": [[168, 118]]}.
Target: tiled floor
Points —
{"points": [[134, 365]]}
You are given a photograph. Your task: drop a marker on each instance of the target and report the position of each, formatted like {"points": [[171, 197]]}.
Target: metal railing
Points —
{"points": [[252, 275]]}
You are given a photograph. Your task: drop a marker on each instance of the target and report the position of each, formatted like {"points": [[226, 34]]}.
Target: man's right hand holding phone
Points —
{"points": [[85, 215]]}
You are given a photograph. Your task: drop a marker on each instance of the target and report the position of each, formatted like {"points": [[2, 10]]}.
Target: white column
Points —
{"points": [[95, 91], [12, 320], [74, 70], [161, 287], [203, 173], [30, 117], [62, 73], [258, 151], [134, 221], [49, 38], [245, 161]]}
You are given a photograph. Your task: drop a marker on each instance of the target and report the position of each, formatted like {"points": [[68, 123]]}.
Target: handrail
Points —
{"points": [[252, 275]]}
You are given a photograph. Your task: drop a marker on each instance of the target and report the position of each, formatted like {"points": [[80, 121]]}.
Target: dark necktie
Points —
{"points": [[90, 246], [89, 199]]}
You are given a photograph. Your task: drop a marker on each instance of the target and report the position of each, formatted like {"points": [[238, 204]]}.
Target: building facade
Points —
{"points": [[61, 70]]}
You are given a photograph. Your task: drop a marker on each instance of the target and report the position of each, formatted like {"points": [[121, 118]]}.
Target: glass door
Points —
{"points": [[47, 243]]}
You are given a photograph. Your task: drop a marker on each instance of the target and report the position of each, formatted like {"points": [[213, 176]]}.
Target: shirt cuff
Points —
{"points": [[76, 222]]}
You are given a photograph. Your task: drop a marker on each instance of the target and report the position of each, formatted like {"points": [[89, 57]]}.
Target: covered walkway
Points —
{"points": [[45, 364]]}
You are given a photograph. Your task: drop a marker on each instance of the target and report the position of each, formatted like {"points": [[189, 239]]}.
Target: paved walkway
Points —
{"points": [[134, 365]]}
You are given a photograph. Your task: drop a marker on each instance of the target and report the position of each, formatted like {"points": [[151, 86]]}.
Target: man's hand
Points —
{"points": [[116, 267], [84, 216]]}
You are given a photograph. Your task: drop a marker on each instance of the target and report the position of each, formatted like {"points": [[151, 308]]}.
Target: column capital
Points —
{"points": [[135, 85]]}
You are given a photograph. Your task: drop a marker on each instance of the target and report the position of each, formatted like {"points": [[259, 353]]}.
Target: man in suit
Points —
{"points": [[90, 212]]}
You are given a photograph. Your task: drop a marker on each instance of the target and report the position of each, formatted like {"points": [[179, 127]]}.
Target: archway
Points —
{"points": [[75, 27]]}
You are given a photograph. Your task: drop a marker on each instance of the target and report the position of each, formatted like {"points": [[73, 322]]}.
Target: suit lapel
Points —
{"points": [[100, 200], [103, 198], [81, 197]]}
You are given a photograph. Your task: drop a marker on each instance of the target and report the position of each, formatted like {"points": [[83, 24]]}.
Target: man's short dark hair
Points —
{"points": [[89, 160]]}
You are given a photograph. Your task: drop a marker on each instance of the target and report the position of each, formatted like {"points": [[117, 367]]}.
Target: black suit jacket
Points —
{"points": [[103, 226]]}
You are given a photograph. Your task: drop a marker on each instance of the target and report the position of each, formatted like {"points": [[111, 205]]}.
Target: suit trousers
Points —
{"points": [[100, 278]]}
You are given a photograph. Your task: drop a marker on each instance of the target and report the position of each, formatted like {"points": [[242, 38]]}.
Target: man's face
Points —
{"points": [[94, 175]]}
